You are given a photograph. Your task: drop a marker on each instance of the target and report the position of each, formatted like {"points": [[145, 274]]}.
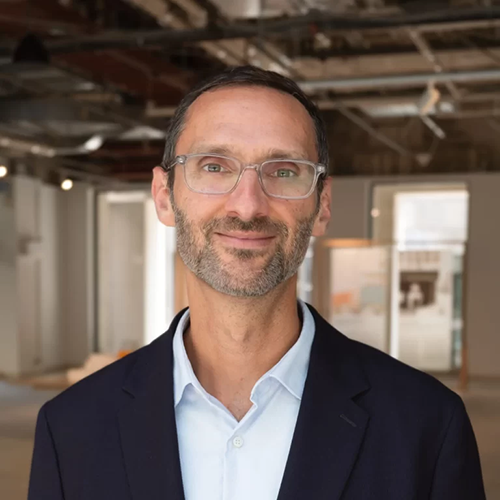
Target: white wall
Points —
{"points": [[45, 286], [159, 274], [36, 208], [52, 354], [77, 275], [136, 271], [483, 258], [9, 355], [121, 272]]}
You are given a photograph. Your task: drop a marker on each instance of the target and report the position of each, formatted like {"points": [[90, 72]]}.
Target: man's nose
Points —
{"points": [[248, 200]]}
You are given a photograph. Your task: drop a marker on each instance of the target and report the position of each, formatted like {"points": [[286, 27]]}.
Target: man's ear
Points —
{"points": [[161, 197], [324, 213]]}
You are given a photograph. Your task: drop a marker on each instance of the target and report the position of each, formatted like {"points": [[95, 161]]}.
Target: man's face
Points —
{"points": [[243, 243]]}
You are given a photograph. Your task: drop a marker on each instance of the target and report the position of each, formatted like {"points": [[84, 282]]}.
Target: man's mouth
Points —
{"points": [[246, 239]]}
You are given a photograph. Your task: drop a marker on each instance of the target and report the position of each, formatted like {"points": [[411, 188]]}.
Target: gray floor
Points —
{"points": [[19, 406]]}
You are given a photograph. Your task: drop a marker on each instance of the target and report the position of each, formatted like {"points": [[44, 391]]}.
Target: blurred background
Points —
{"points": [[410, 92]]}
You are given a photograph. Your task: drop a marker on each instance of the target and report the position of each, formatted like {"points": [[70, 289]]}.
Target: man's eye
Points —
{"points": [[284, 173], [213, 167]]}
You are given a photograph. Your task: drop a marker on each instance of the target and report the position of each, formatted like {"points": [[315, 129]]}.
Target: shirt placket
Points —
{"points": [[236, 447]]}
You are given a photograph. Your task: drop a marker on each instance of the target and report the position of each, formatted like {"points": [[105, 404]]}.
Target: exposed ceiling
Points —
{"points": [[419, 79]]}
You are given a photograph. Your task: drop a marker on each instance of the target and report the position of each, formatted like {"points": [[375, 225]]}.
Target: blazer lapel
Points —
{"points": [[330, 426], [147, 424]]}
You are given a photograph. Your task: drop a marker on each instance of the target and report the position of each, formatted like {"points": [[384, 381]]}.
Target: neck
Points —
{"points": [[233, 341]]}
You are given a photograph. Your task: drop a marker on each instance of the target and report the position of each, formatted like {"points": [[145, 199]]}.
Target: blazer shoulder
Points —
{"points": [[393, 377], [390, 380], [102, 390]]}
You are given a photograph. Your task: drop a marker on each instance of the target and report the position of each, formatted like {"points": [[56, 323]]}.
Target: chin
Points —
{"points": [[243, 291], [245, 255]]}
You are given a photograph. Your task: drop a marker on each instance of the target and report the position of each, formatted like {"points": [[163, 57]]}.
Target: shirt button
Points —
{"points": [[238, 441]]}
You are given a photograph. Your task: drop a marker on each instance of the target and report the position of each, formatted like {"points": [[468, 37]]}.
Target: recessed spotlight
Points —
{"points": [[3, 171], [66, 184], [375, 213], [251, 51]]}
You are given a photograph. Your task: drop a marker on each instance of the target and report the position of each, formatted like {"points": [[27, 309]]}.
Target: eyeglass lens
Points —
{"points": [[218, 175]]}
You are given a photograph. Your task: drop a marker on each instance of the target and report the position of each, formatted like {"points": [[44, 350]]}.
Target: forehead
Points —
{"points": [[248, 120]]}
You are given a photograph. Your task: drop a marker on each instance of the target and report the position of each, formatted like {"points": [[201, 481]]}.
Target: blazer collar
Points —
{"points": [[330, 426], [328, 435], [147, 424]]}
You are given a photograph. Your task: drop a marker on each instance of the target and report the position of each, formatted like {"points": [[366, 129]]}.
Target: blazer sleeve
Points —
{"points": [[45, 480], [458, 474]]}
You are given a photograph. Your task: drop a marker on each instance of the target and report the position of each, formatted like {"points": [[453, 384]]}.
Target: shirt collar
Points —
{"points": [[183, 370], [290, 371]]}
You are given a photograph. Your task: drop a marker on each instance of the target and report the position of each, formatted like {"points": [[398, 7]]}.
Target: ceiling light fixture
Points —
{"points": [[251, 51], [321, 41], [3, 171], [31, 50], [66, 184], [94, 143]]}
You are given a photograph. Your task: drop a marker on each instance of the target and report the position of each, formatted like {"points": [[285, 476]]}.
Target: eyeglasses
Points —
{"points": [[209, 173]]}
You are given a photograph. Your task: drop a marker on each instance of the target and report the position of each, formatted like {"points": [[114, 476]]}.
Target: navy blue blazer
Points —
{"points": [[369, 428]]}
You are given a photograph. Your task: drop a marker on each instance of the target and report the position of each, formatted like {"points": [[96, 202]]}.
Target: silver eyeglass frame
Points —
{"points": [[319, 168]]}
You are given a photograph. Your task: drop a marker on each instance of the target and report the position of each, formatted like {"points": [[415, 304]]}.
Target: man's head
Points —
{"points": [[244, 242]]}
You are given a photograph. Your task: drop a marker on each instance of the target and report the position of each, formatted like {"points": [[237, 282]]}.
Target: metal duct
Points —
{"points": [[413, 80], [257, 9], [44, 150]]}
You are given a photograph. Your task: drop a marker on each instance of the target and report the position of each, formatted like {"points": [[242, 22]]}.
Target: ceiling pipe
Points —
{"points": [[290, 27], [410, 80], [46, 151]]}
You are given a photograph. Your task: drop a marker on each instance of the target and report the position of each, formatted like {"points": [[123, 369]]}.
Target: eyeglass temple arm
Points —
{"points": [[168, 167]]}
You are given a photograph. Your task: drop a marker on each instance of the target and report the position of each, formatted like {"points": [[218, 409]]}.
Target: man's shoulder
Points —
{"points": [[393, 385], [387, 377], [396, 384], [100, 392]]}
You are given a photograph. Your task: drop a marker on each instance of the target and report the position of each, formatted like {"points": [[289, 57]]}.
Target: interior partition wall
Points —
{"points": [[136, 272]]}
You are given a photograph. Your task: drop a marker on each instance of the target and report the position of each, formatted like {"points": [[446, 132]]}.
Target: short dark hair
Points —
{"points": [[244, 76]]}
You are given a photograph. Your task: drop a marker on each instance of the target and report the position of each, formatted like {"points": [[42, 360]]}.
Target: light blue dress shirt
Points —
{"points": [[223, 459]]}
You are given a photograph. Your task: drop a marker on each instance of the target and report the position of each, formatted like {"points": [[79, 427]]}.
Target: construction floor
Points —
{"points": [[19, 406]]}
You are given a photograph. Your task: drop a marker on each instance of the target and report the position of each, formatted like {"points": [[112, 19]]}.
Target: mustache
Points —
{"points": [[257, 224]]}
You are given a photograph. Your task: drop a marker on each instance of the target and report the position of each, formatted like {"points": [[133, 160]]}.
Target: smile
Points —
{"points": [[245, 240]]}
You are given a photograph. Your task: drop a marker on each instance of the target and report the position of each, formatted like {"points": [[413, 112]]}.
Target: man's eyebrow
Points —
{"points": [[276, 154], [271, 154], [212, 148]]}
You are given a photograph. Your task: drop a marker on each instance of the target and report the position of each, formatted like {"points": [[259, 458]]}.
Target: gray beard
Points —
{"points": [[206, 264]]}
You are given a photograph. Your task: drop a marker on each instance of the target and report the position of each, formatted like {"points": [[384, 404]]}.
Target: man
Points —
{"points": [[251, 395]]}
